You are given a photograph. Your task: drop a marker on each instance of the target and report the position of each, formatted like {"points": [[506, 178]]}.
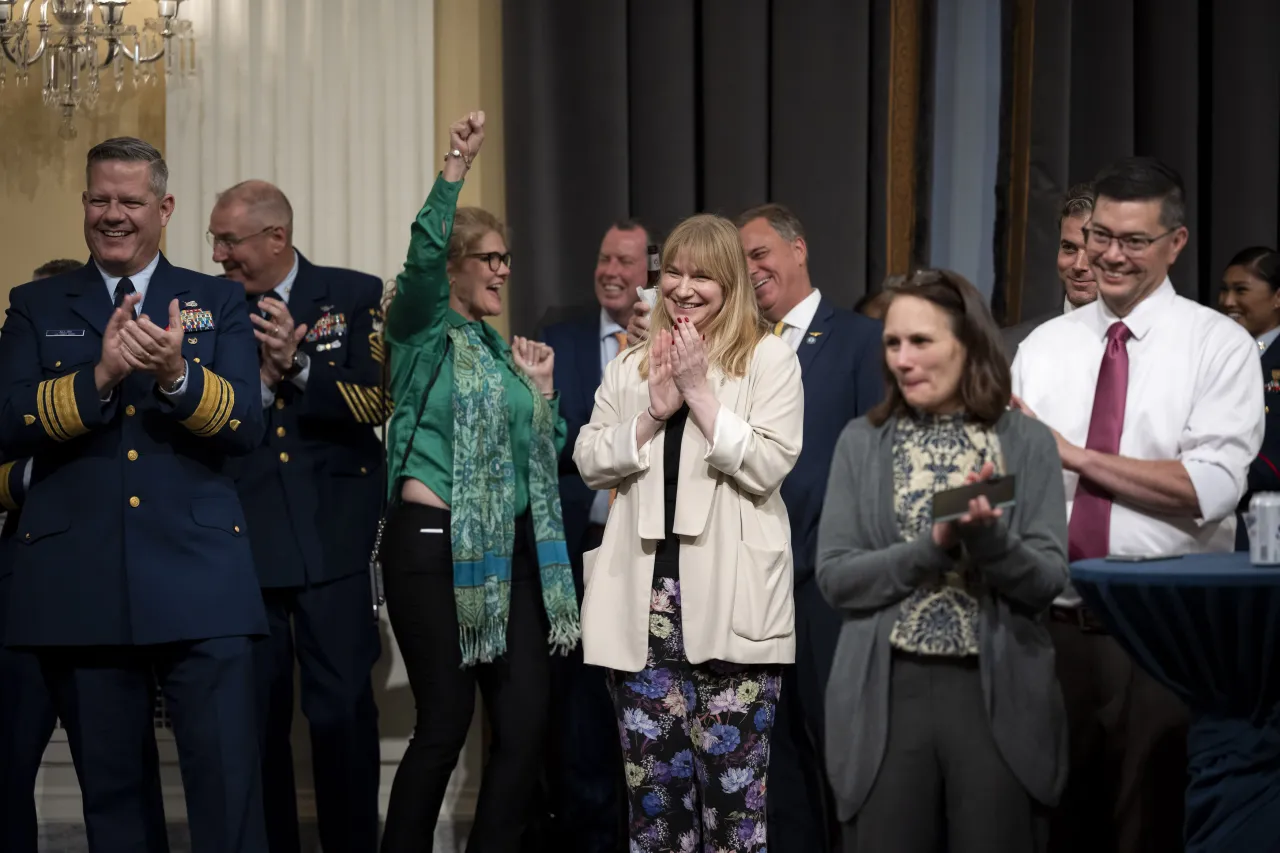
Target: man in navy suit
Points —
{"points": [[840, 364], [312, 492], [585, 775], [132, 558], [27, 718]]}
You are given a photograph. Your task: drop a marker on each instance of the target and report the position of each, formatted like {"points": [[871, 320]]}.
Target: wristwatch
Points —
{"points": [[173, 387], [300, 362]]}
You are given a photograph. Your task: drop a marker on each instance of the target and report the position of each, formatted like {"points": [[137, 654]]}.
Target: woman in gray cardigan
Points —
{"points": [[945, 724]]}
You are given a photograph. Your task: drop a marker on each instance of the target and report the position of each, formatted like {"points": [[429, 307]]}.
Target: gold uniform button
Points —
{"points": [[191, 340], [236, 528], [332, 364], [133, 455], [57, 364], [134, 502], [284, 457], [364, 470], [279, 403], [130, 411], [280, 431], [196, 359], [28, 536]]}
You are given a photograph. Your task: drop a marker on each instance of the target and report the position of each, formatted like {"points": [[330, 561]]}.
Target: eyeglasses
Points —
{"points": [[1131, 244], [493, 259], [230, 243]]}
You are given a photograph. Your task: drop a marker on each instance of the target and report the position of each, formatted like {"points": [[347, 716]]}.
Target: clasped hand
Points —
{"points": [[677, 369], [129, 345], [278, 338], [980, 513]]}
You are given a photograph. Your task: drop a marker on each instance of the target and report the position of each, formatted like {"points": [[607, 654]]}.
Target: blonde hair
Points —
{"points": [[712, 246], [470, 225]]}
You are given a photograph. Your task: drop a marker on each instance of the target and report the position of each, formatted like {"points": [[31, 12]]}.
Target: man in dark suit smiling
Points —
{"points": [[840, 363]]}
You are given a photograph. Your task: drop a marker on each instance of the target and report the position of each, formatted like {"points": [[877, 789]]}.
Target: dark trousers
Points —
{"points": [[801, 806], [1126, 791], [27, 721], [583, 795], [942, 783], [105, 699], [418, 575], [26, 724], [329, 629]]}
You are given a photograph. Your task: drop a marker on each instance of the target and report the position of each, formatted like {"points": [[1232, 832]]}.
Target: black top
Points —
{"points": [[666, 560]]}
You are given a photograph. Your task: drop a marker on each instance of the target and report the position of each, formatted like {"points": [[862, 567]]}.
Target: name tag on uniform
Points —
{"points": [[64, 333]]}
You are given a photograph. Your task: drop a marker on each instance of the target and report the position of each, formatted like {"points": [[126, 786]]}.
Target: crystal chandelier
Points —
{"points": [[74, 45]]}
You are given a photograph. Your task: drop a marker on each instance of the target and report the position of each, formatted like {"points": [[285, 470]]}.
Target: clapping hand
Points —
{"points": [[112, 367], [638, 325], [690, 368], [278, 337], [538, 362], [664, 397], [151, 349]]}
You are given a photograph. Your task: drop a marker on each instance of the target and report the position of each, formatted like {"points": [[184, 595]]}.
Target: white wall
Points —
{"points": [[333, 101]]}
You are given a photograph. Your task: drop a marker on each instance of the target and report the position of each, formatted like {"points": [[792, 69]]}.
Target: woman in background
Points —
{"points": [[945, 724], [478, 583], [1250, 295], [689, 597]]}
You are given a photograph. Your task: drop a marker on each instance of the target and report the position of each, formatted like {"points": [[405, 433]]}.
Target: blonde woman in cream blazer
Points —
{"points": [[689, 598]]}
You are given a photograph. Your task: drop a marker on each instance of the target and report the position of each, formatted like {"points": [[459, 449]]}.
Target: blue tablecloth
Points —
{"points": [[1208, 627]]}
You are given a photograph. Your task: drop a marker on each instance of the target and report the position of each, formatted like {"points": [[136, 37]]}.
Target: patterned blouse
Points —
{"points": [[932, 454]]}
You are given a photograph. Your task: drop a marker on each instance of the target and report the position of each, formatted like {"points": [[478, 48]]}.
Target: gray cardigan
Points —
{"points": [[865, 571]]}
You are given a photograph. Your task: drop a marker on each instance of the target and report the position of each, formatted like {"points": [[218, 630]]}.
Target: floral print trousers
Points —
{"points": [[696, 742]]}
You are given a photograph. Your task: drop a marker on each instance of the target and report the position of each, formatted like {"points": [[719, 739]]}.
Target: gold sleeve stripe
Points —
{"points": [[374, 399], [358, 402], [6, 494], [56, 405], [216, 404], [377, 347]]}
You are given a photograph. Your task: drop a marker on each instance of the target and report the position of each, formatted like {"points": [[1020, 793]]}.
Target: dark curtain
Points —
{"points": [[658, 109], [1193, 82]]}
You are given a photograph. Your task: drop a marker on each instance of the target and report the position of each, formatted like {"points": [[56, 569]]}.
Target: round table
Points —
{"points": [[1207, 626]]}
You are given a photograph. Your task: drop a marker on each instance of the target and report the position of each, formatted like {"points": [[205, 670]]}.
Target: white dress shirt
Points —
{"points": [[283, 289], [798, 320], [1193, 395], [608, 352]]}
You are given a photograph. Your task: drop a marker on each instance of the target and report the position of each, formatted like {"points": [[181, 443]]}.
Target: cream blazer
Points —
{"points": [[735, 549]]}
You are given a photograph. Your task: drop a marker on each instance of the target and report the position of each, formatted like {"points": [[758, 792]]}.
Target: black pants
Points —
{"points": [[328, 628], [584, 793], [942, 784], [418, 574], [1126, 790]]}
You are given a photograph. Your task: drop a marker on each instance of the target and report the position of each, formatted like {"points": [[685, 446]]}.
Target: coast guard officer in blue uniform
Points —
{"points": [[27, 718], [312, 490], [132, 552]]}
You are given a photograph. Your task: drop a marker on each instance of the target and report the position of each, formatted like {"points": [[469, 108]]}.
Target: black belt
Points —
{"points": [[1080, 617]]}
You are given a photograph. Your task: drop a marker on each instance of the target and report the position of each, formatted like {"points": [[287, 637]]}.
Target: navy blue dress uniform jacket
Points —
{"points": [[132, 532], [578, 373], [1264, 473], [312, 488], [841, 366]]}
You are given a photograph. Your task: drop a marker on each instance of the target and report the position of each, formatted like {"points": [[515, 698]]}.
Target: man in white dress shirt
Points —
{"points": [[1155, 404], [1078, 285]]}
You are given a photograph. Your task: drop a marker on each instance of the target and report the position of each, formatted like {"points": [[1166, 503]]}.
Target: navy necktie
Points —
{"points": [[123, 288]]}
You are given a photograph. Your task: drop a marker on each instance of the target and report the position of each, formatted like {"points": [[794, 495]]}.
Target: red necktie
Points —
{"points": [[1089, 531]]}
